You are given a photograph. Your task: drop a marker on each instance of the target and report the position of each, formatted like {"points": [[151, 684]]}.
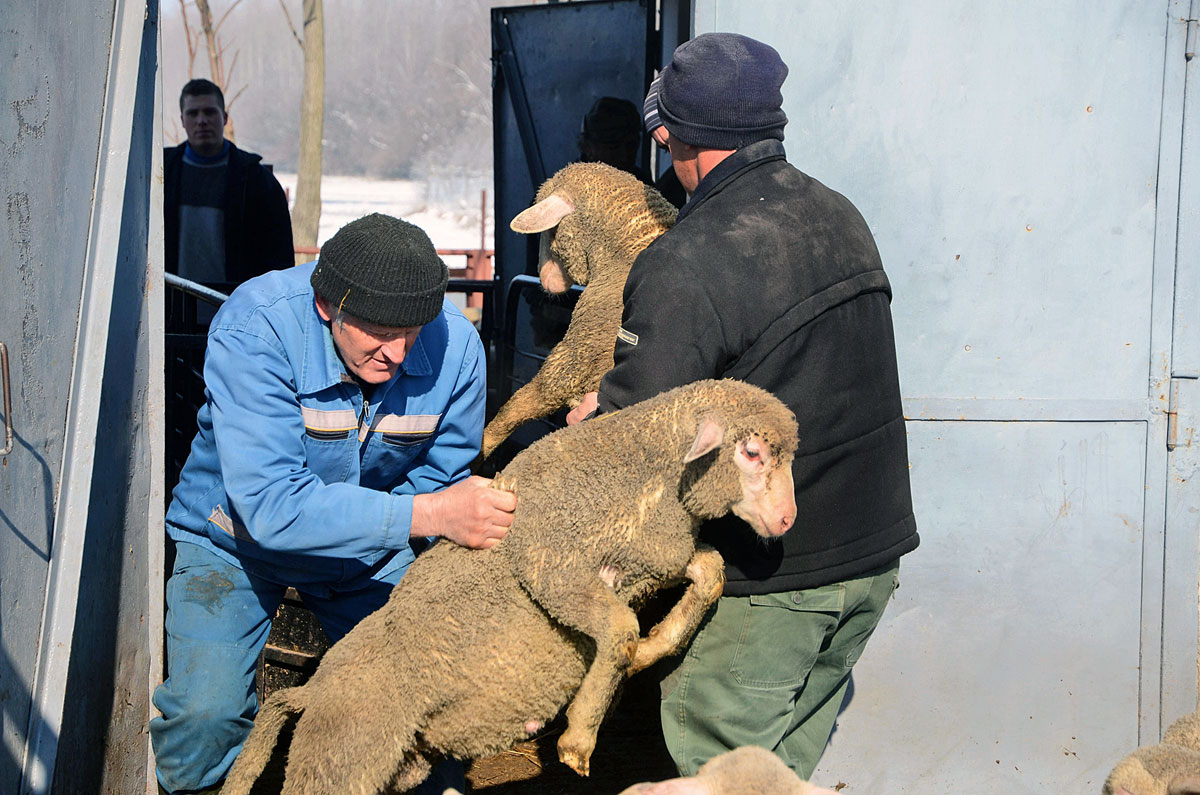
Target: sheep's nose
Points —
{"points": [[785, 523]]}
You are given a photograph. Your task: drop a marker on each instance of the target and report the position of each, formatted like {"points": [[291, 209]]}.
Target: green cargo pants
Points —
{"points": [[771, 670]]}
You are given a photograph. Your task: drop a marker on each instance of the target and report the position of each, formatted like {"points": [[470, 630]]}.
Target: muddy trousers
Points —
{"points": [[771, 670], [217, 622]]}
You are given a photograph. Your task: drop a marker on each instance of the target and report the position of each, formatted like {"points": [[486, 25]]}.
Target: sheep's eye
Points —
{"points": [[752, 454]]}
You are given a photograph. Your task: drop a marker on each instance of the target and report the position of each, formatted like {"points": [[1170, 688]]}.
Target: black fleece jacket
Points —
{"points": [[772, 278], [258, 227]]}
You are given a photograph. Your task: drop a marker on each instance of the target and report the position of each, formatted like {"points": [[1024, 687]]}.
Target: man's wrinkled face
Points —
{"points": [[371, 353], [204, 123]]}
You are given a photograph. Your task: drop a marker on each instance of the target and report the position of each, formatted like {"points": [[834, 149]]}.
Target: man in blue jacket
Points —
{"points": [[344, 406]]}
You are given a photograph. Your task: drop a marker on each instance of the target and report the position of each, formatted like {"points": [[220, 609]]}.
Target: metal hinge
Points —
{"points": [[1189, 50], [1173, 430]]}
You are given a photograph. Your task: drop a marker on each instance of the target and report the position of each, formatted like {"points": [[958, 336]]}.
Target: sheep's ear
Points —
{"points": [[709, 436], [542, 216], [1184, 784]]}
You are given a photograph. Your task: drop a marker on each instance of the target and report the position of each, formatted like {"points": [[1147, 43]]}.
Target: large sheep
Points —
{"points": [[1171, 767], [594, 220], [748, 770], [478, 649]]}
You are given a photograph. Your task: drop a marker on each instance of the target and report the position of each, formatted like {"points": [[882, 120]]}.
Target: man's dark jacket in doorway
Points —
{"points": [[770, 277], [258, 228]]}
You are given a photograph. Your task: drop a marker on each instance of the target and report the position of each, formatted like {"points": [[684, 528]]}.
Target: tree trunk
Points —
{"points": [[214, 55], [306, 213]]}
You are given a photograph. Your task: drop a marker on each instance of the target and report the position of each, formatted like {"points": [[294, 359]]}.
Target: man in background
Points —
{"points": [[225, 216], [611, 133]]}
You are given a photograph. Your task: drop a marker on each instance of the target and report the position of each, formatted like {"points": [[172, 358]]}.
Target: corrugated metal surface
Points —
{"points": [[1019, 163]]}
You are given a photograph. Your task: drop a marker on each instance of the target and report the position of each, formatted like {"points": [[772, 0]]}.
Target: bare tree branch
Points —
{"points": [[235, 96], [288, 17], [232, 67], [187, 35], [232, 6]]}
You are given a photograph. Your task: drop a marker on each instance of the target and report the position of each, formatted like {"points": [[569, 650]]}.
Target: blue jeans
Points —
{"points": [[771, 670], [218, 618]]}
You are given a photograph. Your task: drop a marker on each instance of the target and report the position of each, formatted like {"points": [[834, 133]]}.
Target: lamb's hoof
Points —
{"points": [[578, 759]]}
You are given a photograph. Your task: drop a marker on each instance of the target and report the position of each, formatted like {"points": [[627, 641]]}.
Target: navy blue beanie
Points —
{"points": [[722, 91]]}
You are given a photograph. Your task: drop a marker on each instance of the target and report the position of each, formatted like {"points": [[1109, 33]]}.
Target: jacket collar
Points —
{"points": [[730, 168]]}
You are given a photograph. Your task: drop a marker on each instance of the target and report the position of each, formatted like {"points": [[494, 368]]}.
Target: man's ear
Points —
{"points": [[324, 308]]}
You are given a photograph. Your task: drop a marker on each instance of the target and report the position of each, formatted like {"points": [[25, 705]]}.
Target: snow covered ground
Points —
{"points": [[450, 223]]}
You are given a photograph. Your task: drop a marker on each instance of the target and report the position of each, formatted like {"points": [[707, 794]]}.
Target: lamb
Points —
{"points": [[748, 770], [594, 220], [1171, 767], [477, 649]]}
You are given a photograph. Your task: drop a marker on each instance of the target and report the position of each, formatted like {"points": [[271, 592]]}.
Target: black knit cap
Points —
{"points": [[722, 91], [383, 270]]}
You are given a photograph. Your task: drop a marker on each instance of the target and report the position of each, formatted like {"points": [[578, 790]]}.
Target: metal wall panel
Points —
{"points": [[1180, 629], [105, 693], [53, 83], [1009, 660], [1005, 155], [77, 146], [1019, 163]]}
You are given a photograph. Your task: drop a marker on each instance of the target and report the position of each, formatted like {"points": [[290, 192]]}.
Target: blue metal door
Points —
{"points": [[550, 63], [1029, 172]]}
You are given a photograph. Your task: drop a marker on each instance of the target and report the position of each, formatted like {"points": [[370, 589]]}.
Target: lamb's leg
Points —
{"points": [[573, 368], [529, 402], [706, 570], [597, 612], [256, 753]]}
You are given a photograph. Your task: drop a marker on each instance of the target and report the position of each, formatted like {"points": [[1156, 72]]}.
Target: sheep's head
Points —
{"points": [[1163, 769], [584, 208], [740, 461]]}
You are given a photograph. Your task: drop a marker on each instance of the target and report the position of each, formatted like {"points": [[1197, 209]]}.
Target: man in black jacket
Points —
{"points": [[783, 287], [225, 216]]}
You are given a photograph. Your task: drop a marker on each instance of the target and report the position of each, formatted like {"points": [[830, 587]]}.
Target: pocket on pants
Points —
{"points": [[781, 636]]}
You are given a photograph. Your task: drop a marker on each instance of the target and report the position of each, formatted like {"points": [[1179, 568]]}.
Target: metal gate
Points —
{"points": [[77, 491], [1030, 174]]}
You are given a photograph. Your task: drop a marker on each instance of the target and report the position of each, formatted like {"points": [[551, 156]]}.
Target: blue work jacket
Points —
{"points": [[293, 476]]}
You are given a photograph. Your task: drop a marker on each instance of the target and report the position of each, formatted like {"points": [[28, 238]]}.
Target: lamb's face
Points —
{"points": [[562, 261], [768, 502], [551, 273], [564, 250]]}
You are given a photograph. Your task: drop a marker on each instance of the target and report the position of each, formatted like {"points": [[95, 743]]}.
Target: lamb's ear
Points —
{"points": [[709, 436], [542, 216], [1184, 784]]}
